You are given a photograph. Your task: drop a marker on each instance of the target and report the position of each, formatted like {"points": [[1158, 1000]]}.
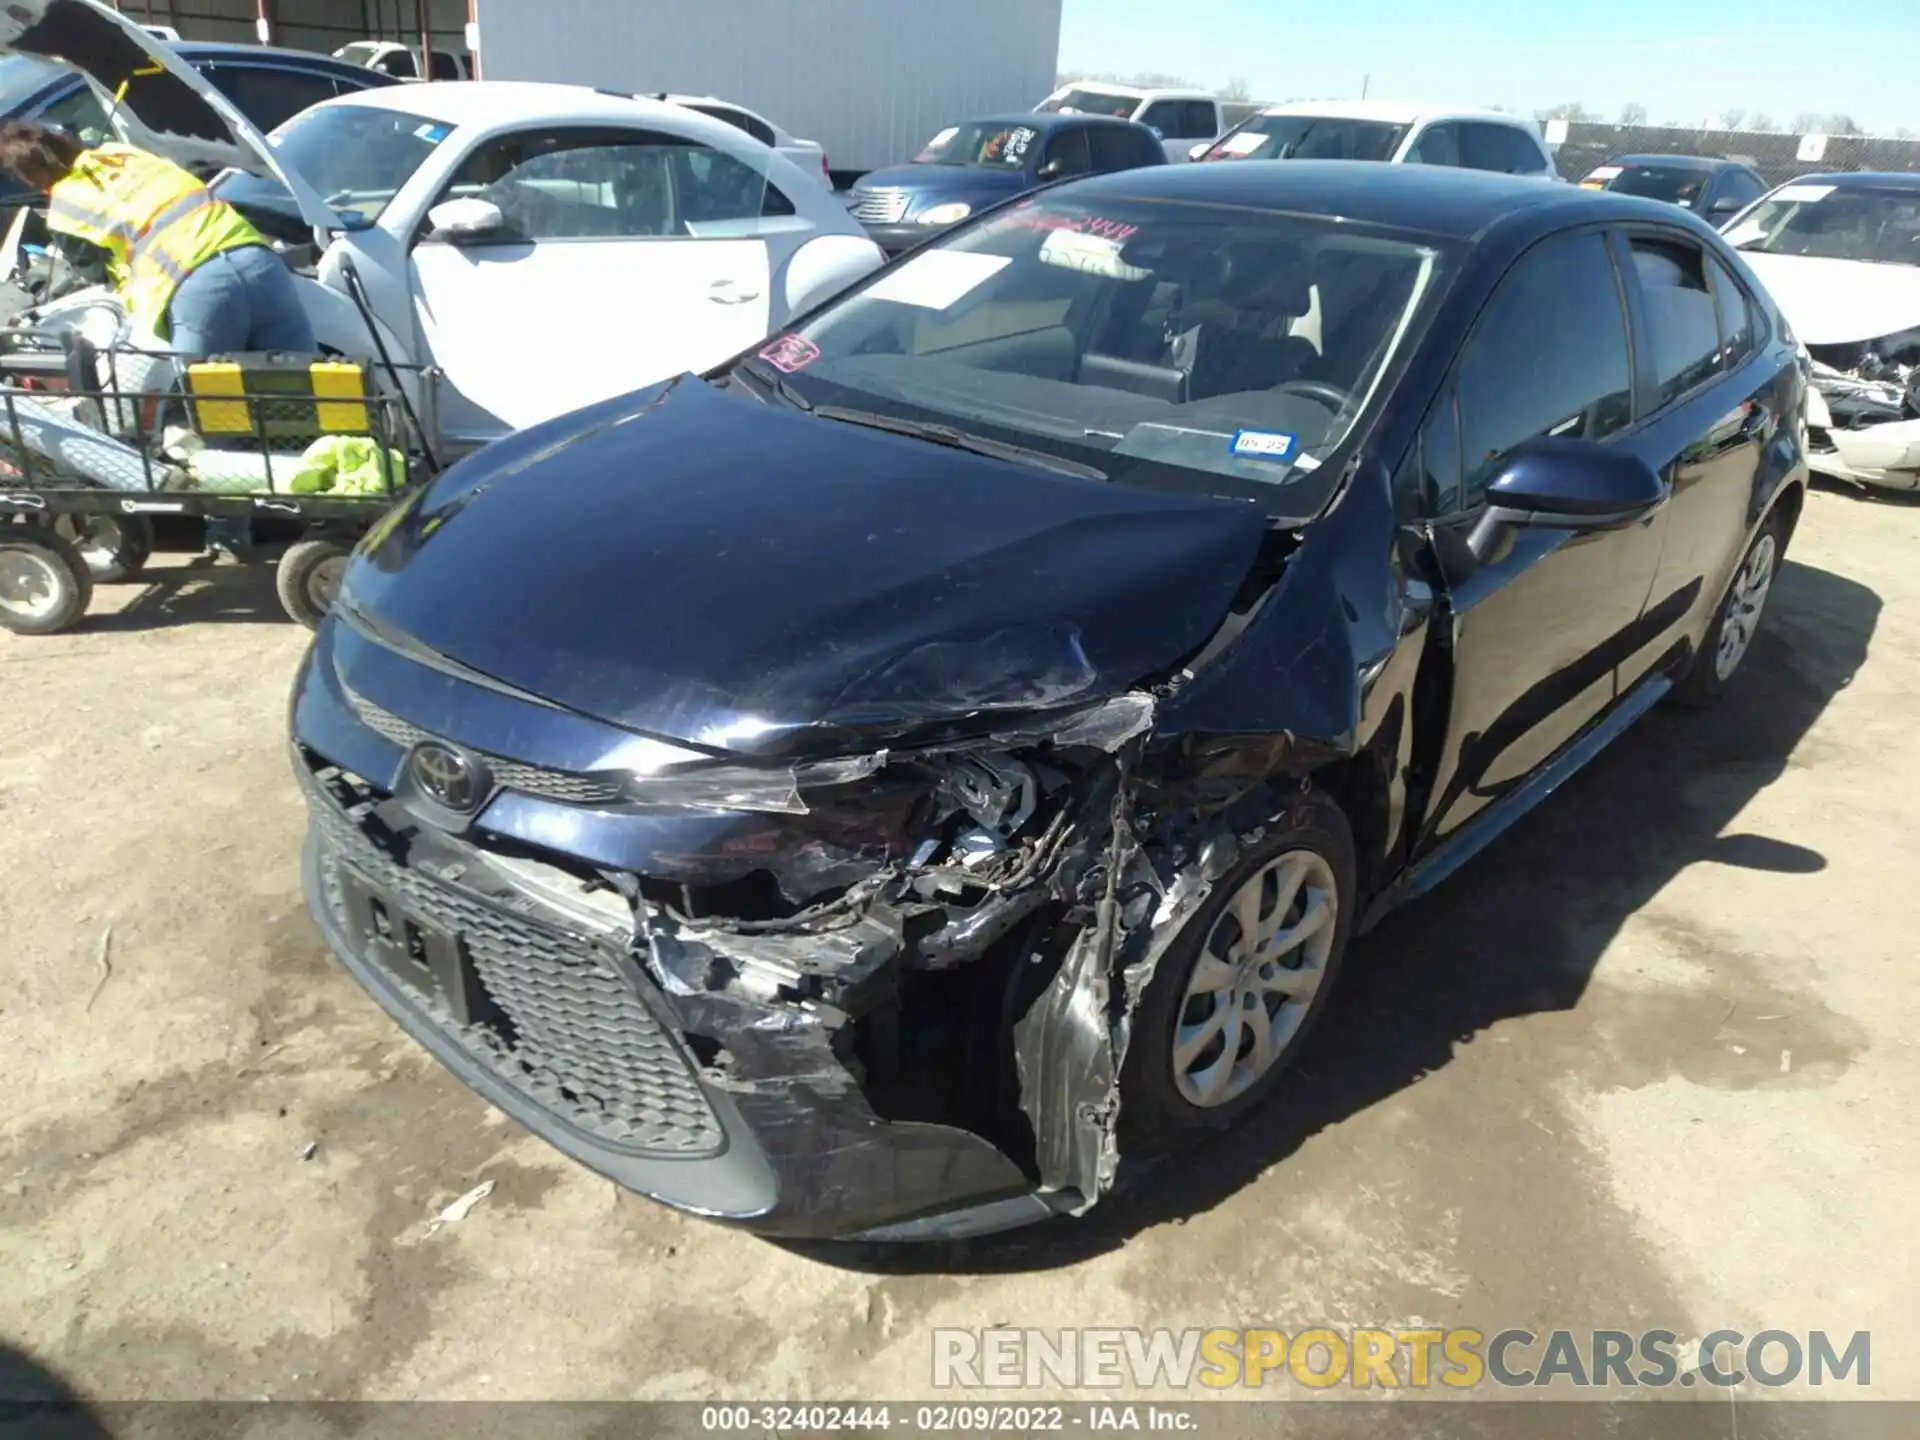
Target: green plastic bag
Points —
{"points": [[348, 465]]}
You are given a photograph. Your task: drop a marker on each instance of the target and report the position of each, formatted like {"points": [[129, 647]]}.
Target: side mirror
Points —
{"points": [[1198, 150], [1566, 485], [1725, 205], [1052, 170], [459, 222]]}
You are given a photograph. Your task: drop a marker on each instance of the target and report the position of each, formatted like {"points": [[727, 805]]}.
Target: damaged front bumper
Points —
{"points": [[930, 1052], [555, 1020], [1863, 423]]}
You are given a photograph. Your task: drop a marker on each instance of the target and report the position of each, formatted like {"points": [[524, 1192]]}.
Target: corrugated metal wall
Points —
{"points": [[868, 79], [322, 25]]}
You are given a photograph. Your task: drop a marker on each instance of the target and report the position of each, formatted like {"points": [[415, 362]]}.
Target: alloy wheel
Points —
{"points": [[1745, 604], [1255, 978]]}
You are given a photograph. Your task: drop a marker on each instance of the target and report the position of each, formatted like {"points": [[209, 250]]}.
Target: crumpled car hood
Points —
{"points": [[701, 566], [1839, 302]]}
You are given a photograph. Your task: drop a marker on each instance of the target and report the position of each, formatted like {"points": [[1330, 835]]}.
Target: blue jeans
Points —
{"points": [[241, 299]]}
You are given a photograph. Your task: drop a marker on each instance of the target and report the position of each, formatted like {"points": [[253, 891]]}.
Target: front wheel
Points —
{"points": [[1236, 994], [44, 584], [308, 579], [1730, 636]]}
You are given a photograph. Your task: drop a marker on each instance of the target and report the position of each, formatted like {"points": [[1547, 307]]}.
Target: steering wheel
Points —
{"points": [[1332, 396]]}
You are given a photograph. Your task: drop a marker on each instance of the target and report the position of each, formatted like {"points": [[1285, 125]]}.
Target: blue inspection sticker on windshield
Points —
{"points": [[1262, 445], [431, 133]]}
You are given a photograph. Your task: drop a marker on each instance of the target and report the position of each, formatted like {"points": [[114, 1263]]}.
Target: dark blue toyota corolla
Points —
{"points": [[901, 782]]}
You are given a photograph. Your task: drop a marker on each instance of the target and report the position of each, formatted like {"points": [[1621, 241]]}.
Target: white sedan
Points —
{"points": [[540, 247], [809, 155]]}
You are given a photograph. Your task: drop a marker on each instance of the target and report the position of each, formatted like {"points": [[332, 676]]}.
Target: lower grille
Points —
{"points": [[565, 786], [879, 207], [575, 1037]]}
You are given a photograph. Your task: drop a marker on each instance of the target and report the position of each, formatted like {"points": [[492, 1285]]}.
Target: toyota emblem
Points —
{"points": [[447, 778]]}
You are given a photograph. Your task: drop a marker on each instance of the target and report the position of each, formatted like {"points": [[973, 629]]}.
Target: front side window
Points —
{"points": [[599, 185], [81, 116], [1119, 147], [1548, 356], [1437, 145], [1181, 345], [1200, 121], [357, 157], [990, 145], [1876, 223], [1308, 137], [1683, 329]]}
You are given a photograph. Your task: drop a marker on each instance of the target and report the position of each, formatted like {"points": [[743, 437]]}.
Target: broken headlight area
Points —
{"points": [[1866, 383]]}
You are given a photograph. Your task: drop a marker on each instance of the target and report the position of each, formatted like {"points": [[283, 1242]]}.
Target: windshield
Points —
{"points": [[21, 78], [1180, 346], [356, 157], [990, 145], [1676, 184], [360, 52], [1308, 137], [1094, 102], [1880, 224]]}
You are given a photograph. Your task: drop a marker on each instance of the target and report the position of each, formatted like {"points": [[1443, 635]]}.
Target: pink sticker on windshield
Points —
{"points": [[1031, 217], [790, 353]]}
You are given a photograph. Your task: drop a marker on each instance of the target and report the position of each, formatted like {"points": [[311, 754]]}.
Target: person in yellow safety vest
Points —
{"points": [[189, 267]]}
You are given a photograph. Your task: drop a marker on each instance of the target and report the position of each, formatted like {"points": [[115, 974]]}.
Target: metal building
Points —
{"points": [[323, 25]]}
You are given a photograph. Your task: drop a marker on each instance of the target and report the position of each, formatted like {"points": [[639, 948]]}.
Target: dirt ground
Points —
{"points": [[1648, 1062]]}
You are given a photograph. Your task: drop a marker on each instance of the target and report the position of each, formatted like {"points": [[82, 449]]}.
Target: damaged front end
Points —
{"points": [[1863, 411], [884, 995]]}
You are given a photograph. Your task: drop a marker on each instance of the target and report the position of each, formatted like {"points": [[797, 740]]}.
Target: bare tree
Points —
{"points": [[1730, 119], [1805, 123], [1761, 123], [1567, 110], [1901, 132], [1236, 89], [1841, 125], [1633, 113]]}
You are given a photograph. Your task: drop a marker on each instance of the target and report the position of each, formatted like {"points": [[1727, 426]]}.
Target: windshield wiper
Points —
{"points": [[958, 439], [767, 376]]}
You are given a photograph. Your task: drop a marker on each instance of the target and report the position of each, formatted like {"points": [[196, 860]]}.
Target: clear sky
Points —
{"points": [[1683, 59]]}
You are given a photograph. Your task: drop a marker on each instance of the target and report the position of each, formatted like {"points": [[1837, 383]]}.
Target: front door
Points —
{"points": [[625, 257], [1538, 632]]}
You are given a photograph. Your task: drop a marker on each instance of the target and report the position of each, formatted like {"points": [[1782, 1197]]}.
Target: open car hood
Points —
{"points": [[156, 100], [1839, 302], [698, 565]]}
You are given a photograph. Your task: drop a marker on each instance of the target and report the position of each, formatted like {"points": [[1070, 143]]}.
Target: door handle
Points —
{"points": [[726, 292]]}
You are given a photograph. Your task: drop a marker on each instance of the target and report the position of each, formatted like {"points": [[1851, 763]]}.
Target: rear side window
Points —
{"points": [[1736, 316], [1548, 356], [1500, 148], [1118, 147], [752, 125], [1068, 150], [1683, 327], [1200, 121]]}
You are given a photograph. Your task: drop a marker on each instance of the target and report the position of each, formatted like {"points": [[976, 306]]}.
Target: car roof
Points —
{"points": [[1439, 200], [1138, 92], [1879, 179], [482, 102], [1395, 112], [1681, 162], [1052, 120]]}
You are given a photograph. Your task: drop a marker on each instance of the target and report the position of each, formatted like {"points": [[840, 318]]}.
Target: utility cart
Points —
{"points": [[94, 442]]}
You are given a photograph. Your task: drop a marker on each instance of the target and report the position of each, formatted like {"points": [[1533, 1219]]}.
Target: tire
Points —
{"points": [[1164, 1105], [308, 577], [44, 584], [115, 547], [1735, 623]]}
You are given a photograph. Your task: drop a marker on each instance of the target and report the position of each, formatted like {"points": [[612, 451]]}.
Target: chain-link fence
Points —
{"points": [[1776, 157]]}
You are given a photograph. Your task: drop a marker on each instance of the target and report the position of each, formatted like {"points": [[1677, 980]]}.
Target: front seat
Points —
{"points": [[1242, 342]]}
